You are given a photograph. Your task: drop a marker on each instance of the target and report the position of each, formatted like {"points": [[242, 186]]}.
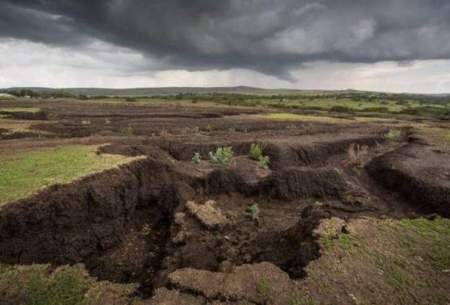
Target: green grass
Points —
{"points": [[405, 258], [25, 173], [434, 234], [263, 288], [34, 285], [393, 135], [301, 117], [67, 285], [20, 109]]}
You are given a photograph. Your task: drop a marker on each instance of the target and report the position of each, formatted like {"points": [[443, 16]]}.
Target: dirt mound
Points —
{"points": [[425, 183], [247, 284]]}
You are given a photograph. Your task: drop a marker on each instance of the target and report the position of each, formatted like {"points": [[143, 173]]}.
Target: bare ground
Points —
{"points": [[134, 224]]}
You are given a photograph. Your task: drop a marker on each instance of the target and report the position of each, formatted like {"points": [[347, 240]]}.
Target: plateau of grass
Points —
{"points": [[399, 261], [36, 286], [20, 109], [23, 174], [302, 118], [67, 285], [16, 125]]}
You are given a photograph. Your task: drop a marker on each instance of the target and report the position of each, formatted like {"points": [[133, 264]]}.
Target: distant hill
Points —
{"points": [[158, 91], [133, 92]]}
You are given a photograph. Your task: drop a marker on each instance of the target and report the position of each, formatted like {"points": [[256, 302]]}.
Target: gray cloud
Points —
{"points": [[270, 36]]}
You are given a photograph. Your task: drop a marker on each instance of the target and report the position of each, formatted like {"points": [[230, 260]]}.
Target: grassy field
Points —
{"points": [[284, 116], [20, 109], [402, 261], [25, 173], [304, 118], [70, 285]]}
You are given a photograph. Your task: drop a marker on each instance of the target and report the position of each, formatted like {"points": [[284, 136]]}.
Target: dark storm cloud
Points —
{"points": [[270, 36]]}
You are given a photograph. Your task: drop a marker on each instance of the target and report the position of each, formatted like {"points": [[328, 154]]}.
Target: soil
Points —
{"points": [[133, 224]]}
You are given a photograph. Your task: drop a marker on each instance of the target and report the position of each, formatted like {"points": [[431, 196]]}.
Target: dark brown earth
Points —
{"points": [[133, 224]]}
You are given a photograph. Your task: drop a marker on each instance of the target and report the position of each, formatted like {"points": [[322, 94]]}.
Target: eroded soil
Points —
{"points": [[183, 231]]}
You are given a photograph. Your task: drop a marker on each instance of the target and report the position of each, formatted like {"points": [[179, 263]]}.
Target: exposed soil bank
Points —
{"points": [[120, 222], [419, 173], [299, 154], [91, 218]]}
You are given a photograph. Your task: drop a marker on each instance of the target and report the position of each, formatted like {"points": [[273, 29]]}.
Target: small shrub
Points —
{"points": [[222, 156], [263, 288], [393, 135], [264, 162], [253, 212], [256, 151], [196, 158], [126, 131]]}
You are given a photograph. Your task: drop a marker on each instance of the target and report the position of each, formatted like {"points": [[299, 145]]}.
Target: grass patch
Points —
{"points": [[436, 237], [25, 173], [21, 109], [67, 285], [16, 125], [35, 286], [393, 135], [394, 271], [301, 117], [402, 261]]}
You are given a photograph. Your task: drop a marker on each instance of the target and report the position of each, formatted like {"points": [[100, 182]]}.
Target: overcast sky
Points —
{"points": [[383, 45]]}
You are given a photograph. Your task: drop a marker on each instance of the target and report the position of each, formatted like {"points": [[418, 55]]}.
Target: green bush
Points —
{"points": [[393, 135], [196, 158], [256, 151], [253, 212], [264, 162], [222, 156]]}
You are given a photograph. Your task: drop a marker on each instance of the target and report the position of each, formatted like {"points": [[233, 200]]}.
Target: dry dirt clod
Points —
{"points": [[163, 296], [179, 218], [180, 238], [246, 283], [208, 214]]}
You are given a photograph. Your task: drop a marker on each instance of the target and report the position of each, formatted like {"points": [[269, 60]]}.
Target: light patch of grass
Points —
{"points": [[16, 125], [25, 173], [298, 299], [20, 109], [402, 261], [293, 117], [436, 234], [68, 285], [263, 288], [302, 118], [393, 135], [394, 270], [34, 285]]}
